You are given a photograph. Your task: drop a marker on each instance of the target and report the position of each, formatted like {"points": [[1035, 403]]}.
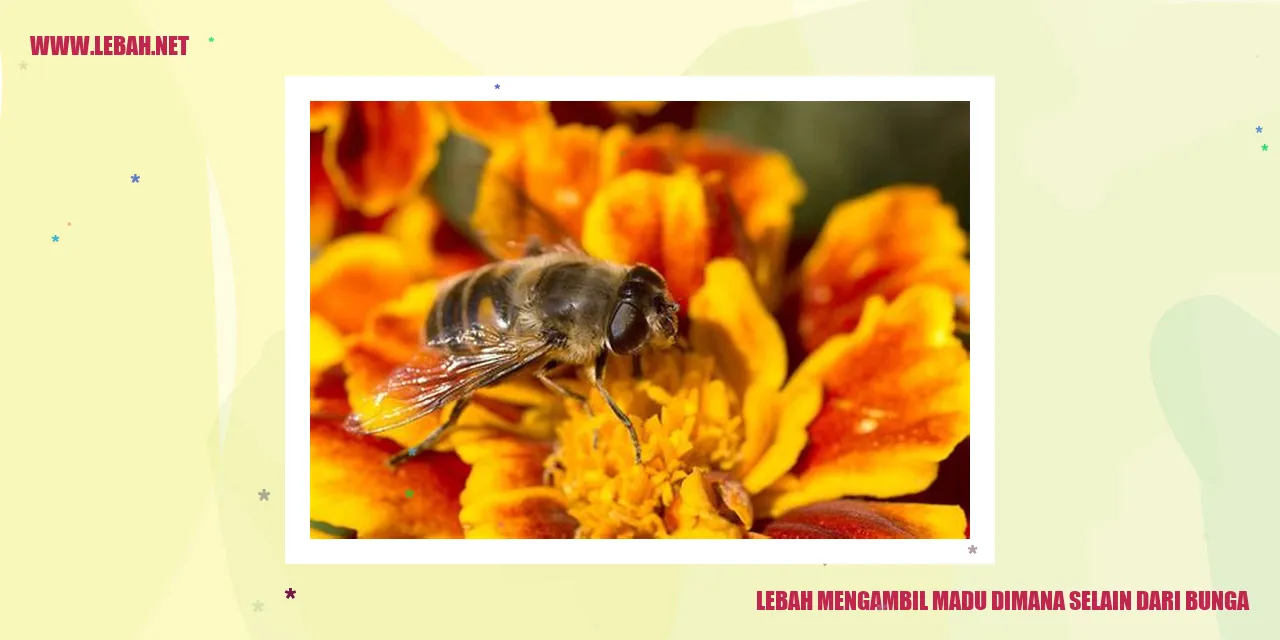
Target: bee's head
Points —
{"points": [[644, 313]]}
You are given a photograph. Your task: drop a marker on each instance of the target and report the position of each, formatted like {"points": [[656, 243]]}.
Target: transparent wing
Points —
{"points": [[434, 378], [510, 224]]}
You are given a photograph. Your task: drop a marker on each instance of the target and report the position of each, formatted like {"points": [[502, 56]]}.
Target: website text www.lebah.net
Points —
{"points": [[109, 45]]}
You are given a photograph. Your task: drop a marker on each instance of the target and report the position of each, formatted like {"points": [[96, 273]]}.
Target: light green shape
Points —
{"points": [[1216, 371]]}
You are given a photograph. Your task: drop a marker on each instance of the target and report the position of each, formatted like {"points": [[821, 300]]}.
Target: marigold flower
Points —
{"points": [[381, 152], [732, 447], [879, 244]]}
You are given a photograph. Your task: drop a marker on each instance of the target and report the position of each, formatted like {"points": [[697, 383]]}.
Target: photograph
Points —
{"points": [[639, 320]]}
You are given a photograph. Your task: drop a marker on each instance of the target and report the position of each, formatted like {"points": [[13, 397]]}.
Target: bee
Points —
{"points": [[550, 307]]}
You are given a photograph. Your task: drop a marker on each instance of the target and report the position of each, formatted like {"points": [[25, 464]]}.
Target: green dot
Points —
{"points": [[408, 493]]}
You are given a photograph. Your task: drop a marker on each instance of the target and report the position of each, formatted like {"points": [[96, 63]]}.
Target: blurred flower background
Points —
{"points": [[818, 251]]}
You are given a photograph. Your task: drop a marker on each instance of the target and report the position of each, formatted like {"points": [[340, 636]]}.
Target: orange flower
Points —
{"points": [[381, 152], [732, 446], [879, 244], [493, 123]]}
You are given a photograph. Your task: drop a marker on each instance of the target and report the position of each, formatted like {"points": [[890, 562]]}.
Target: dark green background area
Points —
{"points": [[845, 149]]}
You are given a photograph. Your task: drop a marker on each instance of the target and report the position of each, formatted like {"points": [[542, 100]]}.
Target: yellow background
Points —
{"points": [[1133, 439]]}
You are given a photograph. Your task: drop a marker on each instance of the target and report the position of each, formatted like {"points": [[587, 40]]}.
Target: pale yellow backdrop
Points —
{"points": [[1134, 441]]}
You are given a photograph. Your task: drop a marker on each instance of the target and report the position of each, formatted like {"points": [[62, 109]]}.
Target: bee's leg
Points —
{"points": [[433, 437], [541, 375], [637, 370], [597, 378]]}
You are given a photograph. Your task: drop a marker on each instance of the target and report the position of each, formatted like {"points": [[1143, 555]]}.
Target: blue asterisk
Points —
{"points": [[55, 238], [135, 177], [1258, 129], [496, 86]]}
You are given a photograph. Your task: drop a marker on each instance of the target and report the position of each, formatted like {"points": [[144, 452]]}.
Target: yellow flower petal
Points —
{"points": [[504, 496], [896, 402], [777, 431], [728, 319], [707, 509], [353, 275], [327, 348]]}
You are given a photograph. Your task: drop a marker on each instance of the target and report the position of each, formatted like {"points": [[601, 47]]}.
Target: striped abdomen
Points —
{"points": [[481, 298]]}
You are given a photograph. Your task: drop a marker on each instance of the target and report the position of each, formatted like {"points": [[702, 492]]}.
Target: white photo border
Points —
{"points": [[979, 92]]}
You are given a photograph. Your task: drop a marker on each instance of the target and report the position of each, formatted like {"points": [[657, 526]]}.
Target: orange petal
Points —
{"points": [[504, 496], [637, 108], [324, 200], [494, 123], [354, 274], [863, 519], [728, 319], [656, 150], [352, 487], [536, 512], [382, 152], [776, 425], [657, 220], [753, 188], [765, 188], [704, 508], [879, 244], [896, 402], [327, 114], [557, 169]]}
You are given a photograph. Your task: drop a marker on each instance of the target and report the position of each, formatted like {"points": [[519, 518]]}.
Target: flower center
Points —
{"points": [[687, 418]]}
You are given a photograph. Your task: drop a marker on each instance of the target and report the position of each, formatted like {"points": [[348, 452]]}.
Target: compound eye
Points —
{"points": [[628, 329]]}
